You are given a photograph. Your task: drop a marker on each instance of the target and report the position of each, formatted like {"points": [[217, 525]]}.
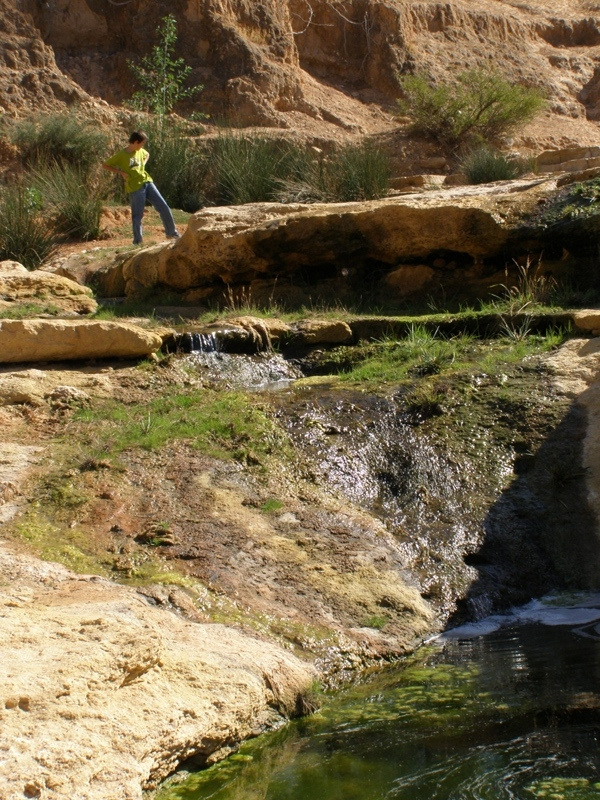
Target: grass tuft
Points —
{"points": [[26, 235], [64, 138], [485, 165], [75, 198]]}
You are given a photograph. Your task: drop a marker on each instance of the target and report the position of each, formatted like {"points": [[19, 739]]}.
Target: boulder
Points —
{"points": [[323, 331], [56, 293], [66, 340], [103, 694], [321, 245], [270, 330], [587, 320], [409, 278]]}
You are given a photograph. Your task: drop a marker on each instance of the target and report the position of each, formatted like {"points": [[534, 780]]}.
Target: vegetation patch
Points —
{"points": [[63, 138], [221, 425], [486, 165], [577, 201], [423, 356], [25, 235], [478, 105]]}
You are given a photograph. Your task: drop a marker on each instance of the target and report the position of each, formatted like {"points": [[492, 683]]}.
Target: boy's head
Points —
{"points": [[138, 137]]}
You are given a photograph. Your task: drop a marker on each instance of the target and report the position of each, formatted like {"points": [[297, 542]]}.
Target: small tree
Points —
{"points": [[479, 105], [161, 75]]}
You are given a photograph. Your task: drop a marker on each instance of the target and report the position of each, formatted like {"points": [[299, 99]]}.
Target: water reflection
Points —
{"points": [[512, 715]]}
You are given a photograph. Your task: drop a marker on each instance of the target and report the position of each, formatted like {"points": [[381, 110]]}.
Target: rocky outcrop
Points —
{"points": [[55, 293], [394, 247], [282, 63], [30, 76], [102, 695], [67, 340]]}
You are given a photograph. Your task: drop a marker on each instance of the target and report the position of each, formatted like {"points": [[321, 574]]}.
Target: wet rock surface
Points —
{"points": [[385, 523], [445, 486]]}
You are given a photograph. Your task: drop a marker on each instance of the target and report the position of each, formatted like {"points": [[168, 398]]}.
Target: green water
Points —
{"points": [[514, 714]]}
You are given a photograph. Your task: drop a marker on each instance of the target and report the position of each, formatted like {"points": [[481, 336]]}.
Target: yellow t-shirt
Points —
{"points": [[134, 164]]}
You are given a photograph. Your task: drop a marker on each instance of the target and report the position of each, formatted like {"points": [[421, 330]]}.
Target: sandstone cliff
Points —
{"points": [[305, 62]]}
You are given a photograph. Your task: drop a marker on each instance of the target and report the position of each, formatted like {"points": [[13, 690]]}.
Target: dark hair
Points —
{"points": [[138, 136]]}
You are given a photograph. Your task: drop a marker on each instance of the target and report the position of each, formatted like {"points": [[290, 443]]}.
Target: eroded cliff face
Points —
{"points": [[265, 62]]}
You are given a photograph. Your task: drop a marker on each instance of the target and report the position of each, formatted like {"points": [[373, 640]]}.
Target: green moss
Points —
{"points": [[222, 425], [70, 547], [272, 504], [27, 310], [565, 789], [577, 201], [376, 622]]}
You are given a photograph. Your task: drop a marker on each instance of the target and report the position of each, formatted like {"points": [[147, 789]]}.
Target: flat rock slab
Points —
{"points": [[66, 340], [587, 320], [103, 694]]}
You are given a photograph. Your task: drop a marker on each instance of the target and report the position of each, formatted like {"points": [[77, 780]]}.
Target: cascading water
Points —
{"points": [[263, 371]]}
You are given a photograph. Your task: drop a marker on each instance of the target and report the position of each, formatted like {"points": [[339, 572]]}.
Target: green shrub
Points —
{"points": [[478, 105], [485, 165], [355, 172], [249, 169], [60, 137], [177, 166], [25, 235], [359, 172], [74, 197]]}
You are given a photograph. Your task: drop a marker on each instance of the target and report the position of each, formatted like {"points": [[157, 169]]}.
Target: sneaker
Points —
{"points": [[174, 236]]}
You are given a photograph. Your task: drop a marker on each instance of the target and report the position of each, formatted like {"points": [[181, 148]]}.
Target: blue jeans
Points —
{"points": [[150, 194]]}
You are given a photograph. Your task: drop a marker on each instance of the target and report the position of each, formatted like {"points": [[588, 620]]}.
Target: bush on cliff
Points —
{"points": [[479, 105]]}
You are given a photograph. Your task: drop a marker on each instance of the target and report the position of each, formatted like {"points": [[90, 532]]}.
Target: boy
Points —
{"points": [[130, 164]]}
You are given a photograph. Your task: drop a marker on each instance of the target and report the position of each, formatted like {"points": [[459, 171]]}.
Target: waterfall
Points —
{"points": [[199, 343]]}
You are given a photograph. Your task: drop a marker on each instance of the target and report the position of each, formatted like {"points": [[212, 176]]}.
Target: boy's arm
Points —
{"points": [[116, 170]]}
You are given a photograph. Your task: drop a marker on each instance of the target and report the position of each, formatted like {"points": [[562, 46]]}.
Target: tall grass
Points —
{"points": [[177, 165], [26, 235], [75, 198], [249, 169], [485, 165], [64, 138], [532, 288], [359, 172]]}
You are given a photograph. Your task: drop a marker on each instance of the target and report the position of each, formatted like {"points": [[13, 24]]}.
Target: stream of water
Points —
{"points": [[507, 709]]}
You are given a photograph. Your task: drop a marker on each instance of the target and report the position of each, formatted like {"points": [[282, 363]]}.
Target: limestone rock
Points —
{"points": [[587, 320], [65, 340], [408, 279], [103, 694], [322, 331], [19, 286], [237, 245], [275, 329]]}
